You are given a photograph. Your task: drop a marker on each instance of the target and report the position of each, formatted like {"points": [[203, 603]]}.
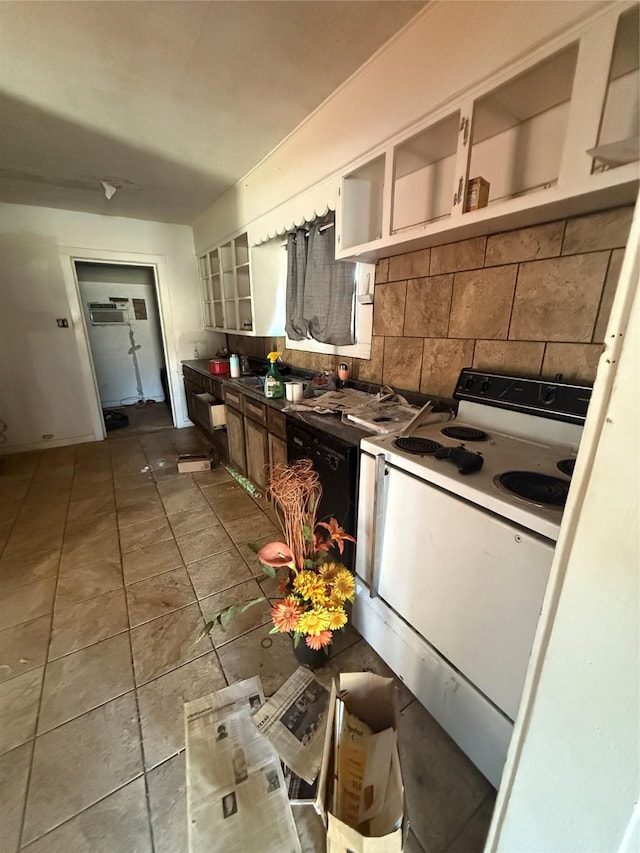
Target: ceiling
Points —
{"points": [[170, 102]]}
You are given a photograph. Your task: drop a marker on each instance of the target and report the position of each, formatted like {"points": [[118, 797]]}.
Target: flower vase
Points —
{"points": [[313, 658]]}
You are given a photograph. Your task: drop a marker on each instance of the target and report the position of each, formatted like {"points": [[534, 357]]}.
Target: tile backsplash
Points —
{"points": [[533, 301]]}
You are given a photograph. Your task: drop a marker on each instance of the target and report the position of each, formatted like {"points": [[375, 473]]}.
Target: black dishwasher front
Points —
{"points": [[336, 462]]}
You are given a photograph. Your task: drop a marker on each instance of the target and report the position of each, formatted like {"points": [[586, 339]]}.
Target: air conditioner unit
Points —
{"points": [[108, 313]]}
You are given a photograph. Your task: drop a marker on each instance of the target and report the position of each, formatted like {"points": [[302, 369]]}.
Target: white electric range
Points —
{"points": [[451, 564]]}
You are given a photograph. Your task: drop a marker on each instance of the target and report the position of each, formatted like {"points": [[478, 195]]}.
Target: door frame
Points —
{"points": [[69, 255]]}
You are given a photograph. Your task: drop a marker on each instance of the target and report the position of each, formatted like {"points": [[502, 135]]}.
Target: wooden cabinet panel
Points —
{"points": [[190, 390], [215, 387], [235, 438], [277, 450], [233, 398], [277, 422], [254, 410], [195, 378], [257, 452]]}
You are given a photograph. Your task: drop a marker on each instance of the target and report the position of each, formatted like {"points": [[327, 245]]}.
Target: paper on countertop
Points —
{"points": [[331, 402]]}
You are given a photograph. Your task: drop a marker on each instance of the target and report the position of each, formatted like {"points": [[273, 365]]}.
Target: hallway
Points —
{"points": [[110, 559]]}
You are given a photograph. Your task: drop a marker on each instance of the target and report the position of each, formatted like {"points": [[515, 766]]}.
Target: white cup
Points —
{"points": [[293, 391]]}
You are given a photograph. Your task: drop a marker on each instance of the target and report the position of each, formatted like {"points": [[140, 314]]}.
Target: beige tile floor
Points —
{"points": [[109, 559]]}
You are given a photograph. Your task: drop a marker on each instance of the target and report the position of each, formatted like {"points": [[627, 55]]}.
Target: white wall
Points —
{"points": [[572, 779], [46, 386], [450, 47]]}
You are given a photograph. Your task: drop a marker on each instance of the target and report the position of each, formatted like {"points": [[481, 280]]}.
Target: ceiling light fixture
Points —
{"points": [[109, 189]]}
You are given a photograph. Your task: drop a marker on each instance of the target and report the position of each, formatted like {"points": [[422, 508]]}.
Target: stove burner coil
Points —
{"points": [[464, 433], [566, 466], [539, 489], [416, 445]]}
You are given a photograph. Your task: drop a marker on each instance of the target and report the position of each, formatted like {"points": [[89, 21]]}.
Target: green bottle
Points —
{"points": [[273, 382]]}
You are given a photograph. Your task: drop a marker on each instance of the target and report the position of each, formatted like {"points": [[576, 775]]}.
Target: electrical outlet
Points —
{"points": [[62, 322]]}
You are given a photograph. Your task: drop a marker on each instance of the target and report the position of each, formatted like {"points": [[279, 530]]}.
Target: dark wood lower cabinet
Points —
{"points": [[235, 439], [277, 450], [257, 452], [255, 434]]}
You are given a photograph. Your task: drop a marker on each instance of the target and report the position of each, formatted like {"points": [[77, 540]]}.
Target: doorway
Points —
{"points": [[122, 318]]}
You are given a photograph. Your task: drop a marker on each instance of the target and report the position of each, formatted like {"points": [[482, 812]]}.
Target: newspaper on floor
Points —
{"points": [[236, 793], [294, 719]]}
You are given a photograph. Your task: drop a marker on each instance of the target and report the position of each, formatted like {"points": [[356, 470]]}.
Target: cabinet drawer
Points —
{"points": [[256, 411], [215, 387], [209, 412], [195, 378], [233, 398], [277, 423]]}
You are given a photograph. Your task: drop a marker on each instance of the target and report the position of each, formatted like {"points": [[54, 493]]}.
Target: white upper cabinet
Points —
{"points": [[554, 135], [519, 128], [424, 173], [241, 288], [618, 135]]}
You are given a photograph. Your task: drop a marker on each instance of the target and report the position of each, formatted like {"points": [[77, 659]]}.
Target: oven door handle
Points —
{"points": [[378, 522]]}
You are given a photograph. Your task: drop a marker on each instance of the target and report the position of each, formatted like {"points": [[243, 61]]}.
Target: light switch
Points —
{"points": [[62, 322]]}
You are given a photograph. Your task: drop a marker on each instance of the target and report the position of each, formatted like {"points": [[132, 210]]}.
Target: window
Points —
{"points": [[363, 311], [328, 302]]}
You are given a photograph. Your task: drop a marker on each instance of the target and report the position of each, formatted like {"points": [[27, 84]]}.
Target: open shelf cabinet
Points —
{"points": [[241, 287], [226, 286], [554, 135]]}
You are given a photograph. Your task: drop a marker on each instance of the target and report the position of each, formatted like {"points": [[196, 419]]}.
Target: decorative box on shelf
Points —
{"points": [[477, 194]]}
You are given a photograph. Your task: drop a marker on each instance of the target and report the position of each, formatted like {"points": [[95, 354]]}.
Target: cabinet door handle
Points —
{"points": [[457, 198], [464, 128], [378, 521]]}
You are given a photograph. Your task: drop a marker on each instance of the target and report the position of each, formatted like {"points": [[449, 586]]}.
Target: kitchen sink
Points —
{"points": [[251, 381]]}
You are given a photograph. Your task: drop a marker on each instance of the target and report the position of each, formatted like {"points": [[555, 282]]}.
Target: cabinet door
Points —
{"points": [[190, 391], [235, 438], [277, 422], [257, 452], [277, 451]]}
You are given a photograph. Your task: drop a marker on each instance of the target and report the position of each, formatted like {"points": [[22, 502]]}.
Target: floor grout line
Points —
{"points": [[44, 668]]}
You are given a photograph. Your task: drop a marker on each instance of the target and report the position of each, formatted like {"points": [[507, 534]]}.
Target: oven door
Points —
{"points": [[466, 580]]}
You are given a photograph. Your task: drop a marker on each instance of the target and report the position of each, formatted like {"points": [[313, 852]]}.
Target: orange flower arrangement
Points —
{"points": [[315, 587]]}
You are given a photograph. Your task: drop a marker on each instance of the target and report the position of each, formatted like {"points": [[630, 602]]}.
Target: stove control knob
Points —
{"points": [[549, 396], [468, 383], [484, 385]]}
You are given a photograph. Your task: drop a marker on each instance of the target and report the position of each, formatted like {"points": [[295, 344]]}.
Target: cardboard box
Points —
{"points": [[373, 699], [477, 194], [188, 462]]}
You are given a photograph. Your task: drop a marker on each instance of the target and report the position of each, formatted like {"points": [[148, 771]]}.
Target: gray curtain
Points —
{"points": [[320, 290], [296, 325]]}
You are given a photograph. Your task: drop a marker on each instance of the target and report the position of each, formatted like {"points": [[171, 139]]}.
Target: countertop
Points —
{"points": [[330, 424]]}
